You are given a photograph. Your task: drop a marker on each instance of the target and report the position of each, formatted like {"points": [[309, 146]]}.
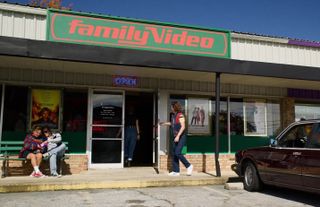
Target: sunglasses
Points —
{"points": [[45, 131]]}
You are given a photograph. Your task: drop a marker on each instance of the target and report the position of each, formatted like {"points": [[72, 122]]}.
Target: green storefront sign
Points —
{"points": [[108, 31]]}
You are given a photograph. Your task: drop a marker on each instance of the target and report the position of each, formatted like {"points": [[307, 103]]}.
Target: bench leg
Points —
{"points": [[60, 167], [7, 168], [4, 164]]}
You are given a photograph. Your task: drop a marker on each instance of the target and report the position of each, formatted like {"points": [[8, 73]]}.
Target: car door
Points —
{"points": [[311, 159], [284, 165]]}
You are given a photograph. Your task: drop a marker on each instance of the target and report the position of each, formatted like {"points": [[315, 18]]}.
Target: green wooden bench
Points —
{"points": [[9, 150]]}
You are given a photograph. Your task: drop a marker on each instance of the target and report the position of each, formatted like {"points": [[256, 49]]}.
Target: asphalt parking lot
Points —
{"points": [[214, 195]]}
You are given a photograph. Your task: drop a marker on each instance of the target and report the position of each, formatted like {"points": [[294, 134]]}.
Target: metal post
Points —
{"points": [[218, 171], [2, 110], [229, 124]]}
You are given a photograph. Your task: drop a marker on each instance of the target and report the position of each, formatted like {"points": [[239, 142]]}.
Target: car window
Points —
{"points": [[297, 136], [313, 140]]}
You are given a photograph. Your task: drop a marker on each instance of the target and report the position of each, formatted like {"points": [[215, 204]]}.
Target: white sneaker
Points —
{"points": [[56, 175], [174, 174], [189, 170]]}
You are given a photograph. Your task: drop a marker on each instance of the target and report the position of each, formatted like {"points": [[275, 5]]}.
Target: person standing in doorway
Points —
{"points": [[178, 126], [132, 135]]}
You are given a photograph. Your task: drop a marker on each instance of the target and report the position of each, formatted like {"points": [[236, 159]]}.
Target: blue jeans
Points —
{"points": [[177, 155], [53, 154], [130, 141]]}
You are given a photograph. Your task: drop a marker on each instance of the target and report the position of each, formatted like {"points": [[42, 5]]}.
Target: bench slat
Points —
{"points": [[12, 158], [11, 148], [11, 142]]}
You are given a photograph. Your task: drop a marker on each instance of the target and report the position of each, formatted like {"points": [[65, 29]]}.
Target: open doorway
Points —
{"points": [[142, 104]]}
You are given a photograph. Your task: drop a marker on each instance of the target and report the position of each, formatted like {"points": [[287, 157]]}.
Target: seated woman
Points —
{"points": [[31, 150], [55, 149]]}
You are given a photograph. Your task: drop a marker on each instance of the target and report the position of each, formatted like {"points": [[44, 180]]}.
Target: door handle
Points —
{"points": [[296, 153]]}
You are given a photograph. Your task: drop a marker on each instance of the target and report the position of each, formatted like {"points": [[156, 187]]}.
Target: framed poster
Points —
{"points": [[45, 108], [255, 117], [198, 116]]}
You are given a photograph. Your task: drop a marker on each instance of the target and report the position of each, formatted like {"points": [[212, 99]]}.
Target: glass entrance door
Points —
{"points": [[106, 129]]}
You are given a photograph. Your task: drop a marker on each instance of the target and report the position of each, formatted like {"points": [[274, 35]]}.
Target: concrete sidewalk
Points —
{"points": [[135, 177]]}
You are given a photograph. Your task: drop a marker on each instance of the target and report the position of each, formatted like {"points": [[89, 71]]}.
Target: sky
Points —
{"points": [[297, 19]]}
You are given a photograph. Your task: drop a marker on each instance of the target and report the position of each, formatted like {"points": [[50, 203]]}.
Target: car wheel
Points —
{"points": [[251, 180]]}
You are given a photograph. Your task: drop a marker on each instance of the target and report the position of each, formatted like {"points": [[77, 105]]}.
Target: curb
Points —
{"points": [[233, 186], [11, 188]]}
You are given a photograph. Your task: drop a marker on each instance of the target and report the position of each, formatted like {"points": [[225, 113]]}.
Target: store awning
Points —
{"points": [[105, 55]]}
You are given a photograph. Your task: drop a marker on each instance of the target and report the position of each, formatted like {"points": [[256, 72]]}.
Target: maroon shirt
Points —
{"points": [[30, 145]]}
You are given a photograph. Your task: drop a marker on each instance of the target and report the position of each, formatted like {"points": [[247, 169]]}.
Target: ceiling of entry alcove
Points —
{"points": [[161, 73]]}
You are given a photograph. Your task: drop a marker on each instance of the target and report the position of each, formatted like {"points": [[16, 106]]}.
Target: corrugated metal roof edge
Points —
{"points": [[288, 40], [22, 8]]}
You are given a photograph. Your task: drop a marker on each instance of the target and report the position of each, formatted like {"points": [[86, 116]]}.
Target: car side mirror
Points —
{"points": [[273, 142]]}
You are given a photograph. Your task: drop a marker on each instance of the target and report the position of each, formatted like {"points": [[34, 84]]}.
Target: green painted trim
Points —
{"points": [[206, 144]]}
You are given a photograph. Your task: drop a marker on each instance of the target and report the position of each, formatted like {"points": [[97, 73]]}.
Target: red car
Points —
{"points": [[291, 161]]}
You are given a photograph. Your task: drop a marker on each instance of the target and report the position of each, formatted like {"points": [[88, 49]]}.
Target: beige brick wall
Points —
{"points": [[201, 163], [75, 164], [78, 163]]}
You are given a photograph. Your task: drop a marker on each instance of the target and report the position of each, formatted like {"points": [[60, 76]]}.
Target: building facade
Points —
{"points": [[88, 85]]}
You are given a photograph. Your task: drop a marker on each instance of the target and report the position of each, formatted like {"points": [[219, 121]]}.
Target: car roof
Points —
{"points": [[307, 121]]}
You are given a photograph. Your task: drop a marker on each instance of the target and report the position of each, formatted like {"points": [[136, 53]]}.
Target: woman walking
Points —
{"points": [[178, 126]]}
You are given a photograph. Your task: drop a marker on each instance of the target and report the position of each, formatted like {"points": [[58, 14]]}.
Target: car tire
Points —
{"points": [[251, 180]]}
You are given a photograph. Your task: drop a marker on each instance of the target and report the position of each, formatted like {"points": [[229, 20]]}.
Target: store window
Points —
{"points": [[253, 122], [197, 112], [223, 119], [198, 123], [75, 111], [273, 118], [250, 117], [236, 117], [307, 111], [15, 113], [75, 103]]}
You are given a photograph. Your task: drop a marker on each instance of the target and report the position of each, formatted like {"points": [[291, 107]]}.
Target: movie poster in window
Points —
{"points": [[45, 108], [198, 116], [255, 123]]}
